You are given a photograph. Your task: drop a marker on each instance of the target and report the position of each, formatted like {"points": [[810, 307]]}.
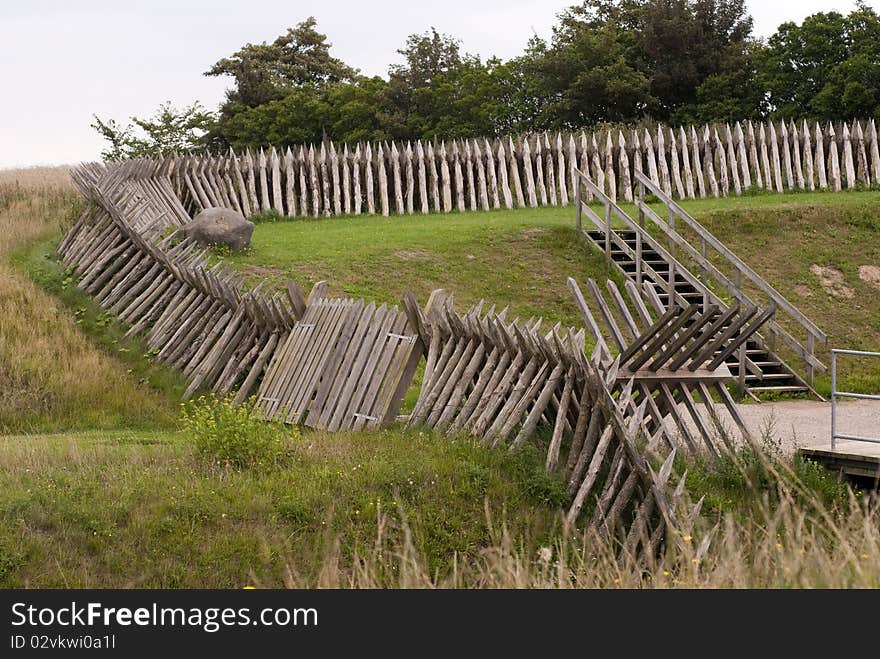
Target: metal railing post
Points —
{"points": [[640, 195], [608, 230], [835, 394], [639, 259], [672, 262], [703, 274], [811, 351], [833, 398]]}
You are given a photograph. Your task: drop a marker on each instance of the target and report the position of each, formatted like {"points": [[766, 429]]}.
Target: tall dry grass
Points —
{"points": [[797, 542], [51, 377], [37, 179]]}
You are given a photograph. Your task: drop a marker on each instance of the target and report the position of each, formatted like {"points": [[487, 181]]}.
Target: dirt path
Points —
{"points": [[807, 423]]}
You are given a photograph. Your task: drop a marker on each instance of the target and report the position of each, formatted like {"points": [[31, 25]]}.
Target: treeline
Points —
{"points": [[607, 62], [677, 61]]}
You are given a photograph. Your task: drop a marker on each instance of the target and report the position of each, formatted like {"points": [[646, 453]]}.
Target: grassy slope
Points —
{"points": [[523, 257], [140, 509], [518, 258], [51, 376], [136, 507]]}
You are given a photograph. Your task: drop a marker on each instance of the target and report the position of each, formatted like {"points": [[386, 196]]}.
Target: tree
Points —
{"points": [[585, 75], [169, 130], [430, 59], [269, 72], [829, 66]]}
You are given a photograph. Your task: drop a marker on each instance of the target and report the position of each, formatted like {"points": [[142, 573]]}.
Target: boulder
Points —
{"points": [[220, 226]]}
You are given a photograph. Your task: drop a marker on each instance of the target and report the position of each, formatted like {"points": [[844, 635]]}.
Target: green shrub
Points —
{"points": [[236, 435]]}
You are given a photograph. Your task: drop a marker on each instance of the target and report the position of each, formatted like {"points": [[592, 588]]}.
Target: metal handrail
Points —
{"points": [[732, 258], [847, 394]]}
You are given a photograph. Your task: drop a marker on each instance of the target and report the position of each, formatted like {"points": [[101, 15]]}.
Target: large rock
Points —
{"points": [[220, 226]]}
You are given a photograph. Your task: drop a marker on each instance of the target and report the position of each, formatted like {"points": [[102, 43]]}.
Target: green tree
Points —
{"points": [[828, 66], [431, 60], [269, 72], [168, 130], [584, 76]]}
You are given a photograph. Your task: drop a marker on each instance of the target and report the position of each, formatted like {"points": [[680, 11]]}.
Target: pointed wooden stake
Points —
{"points": [[754, 163], [357, 193], [819, 160], [623, 164], [423, 179], [527, 168], [652, 159], [808, 158], [834, 164], [662, 167], [796, 155], [503, 176], [346, 180], [709, 161], [848, 164], [410, 179], [382, 180], [491, 176], [686, 165], [368, 180], [459, 177], [598, 171], [610, 179], [731, 160], [396, 179], [561, 171], [539, 170], [551, 176]]}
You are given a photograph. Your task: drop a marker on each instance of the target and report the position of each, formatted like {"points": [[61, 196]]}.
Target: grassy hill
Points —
{"points": [[522, 258], [117, 495]]}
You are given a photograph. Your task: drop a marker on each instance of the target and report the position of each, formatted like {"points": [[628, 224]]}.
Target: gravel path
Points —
{"points": [[807, 423]]}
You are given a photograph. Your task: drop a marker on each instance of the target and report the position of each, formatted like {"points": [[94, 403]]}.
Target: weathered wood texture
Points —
{"points": [[530, 170], [502, 380], [690, 264], [200, 318]]}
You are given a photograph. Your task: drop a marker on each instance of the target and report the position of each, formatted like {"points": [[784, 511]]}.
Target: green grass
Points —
{"points": [[522, 258], [52, 375], [142, 509], [517, 258], [42, 265]]}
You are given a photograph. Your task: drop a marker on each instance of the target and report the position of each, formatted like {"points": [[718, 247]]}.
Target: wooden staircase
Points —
{"points": [[774, 374], [681, 266]]}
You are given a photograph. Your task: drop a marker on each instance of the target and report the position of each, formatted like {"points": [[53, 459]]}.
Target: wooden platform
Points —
{"points": [[861, 459]]}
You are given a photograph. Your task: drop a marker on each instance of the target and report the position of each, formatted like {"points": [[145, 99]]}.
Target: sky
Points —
{"points": [[63, 62]]}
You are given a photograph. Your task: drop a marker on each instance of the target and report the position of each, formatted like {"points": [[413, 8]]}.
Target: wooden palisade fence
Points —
{"points": [[336, 363], [529, 170]]}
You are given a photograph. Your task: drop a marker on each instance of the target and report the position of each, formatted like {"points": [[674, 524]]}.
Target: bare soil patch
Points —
{"points": [[528, 234], [870, 274], [832, 281], [412, 255]]}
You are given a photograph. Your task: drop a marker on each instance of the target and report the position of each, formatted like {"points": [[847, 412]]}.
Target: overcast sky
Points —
{"points": [[64, 61]]}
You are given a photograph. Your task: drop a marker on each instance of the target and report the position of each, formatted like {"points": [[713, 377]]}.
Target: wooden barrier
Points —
{"points": [[337, 364], [531, 170]]}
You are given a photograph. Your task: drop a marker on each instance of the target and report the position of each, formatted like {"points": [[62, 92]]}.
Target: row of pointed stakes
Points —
{"points": [[534, 170], [197, 317]]}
